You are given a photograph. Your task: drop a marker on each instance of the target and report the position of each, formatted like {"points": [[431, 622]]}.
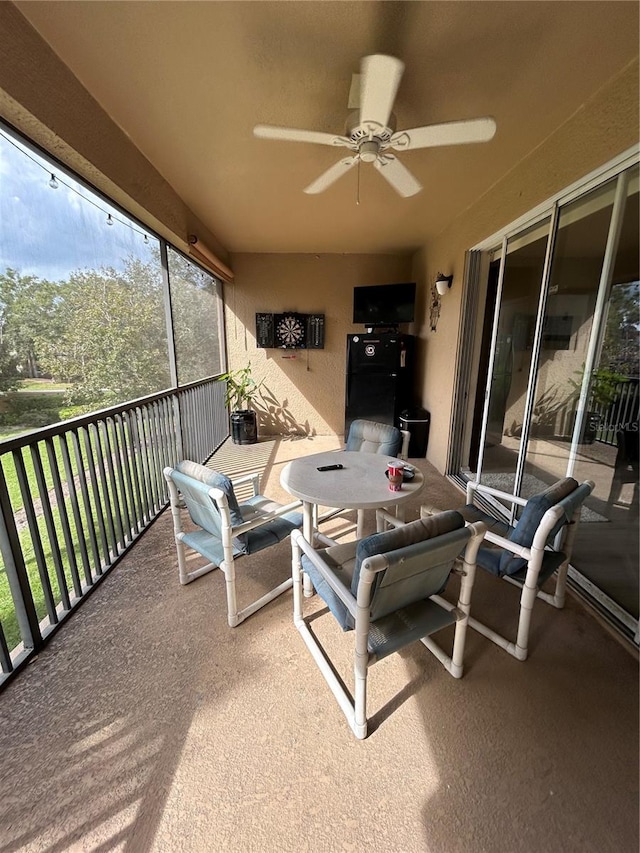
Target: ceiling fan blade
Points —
{"points": [[290, 134], [331, 175], [449, 133], [379, 81], [398, 175], [354, 93]]}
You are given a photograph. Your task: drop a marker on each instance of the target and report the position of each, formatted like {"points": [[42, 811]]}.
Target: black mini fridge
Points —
{"points": [[379, 377]]}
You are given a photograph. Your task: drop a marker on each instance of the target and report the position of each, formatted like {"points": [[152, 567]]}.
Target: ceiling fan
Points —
{"points": [[370, 130]]}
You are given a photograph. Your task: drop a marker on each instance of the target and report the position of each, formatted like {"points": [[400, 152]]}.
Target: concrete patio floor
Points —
{"points": [[147, 724]]}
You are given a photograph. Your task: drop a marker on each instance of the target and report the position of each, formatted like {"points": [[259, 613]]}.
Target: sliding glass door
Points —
{"points": [[562, 385], [519, 275]]}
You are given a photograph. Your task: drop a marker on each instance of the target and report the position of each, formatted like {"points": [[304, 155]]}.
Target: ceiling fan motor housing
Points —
{"points": [[356, 131]]}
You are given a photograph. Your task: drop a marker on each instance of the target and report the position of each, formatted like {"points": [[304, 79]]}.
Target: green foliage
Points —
{"points": [[603, 387], [30, 409], [28, 311], [241, 388], [33, 418], [112, 345], [8, 369], [67, 412], [103, 331], [39, 417], [24, 401], [195, 308], [39, 385], [621, 346]]}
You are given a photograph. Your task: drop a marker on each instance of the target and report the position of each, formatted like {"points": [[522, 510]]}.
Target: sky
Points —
{"points": [[49, 232]]}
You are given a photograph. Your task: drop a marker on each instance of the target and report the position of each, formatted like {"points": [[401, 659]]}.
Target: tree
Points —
{"points": [[620, 351], [113, 344], [27, 317], [195, 309]]}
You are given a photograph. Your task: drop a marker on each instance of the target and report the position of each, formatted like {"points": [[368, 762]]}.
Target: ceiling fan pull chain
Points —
{"points": [[358, 184]]}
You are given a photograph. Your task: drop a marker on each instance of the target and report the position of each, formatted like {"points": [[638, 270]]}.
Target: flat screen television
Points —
{"points": [[384, 304]]}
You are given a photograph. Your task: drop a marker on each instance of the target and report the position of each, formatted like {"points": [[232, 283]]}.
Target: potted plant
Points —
{"points": [[240, 393], [604, 389]]}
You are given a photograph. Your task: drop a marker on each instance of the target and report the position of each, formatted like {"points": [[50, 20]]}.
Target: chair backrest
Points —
{"points": [[373, 437], [193, 482], [420, 555], [566, 493]]}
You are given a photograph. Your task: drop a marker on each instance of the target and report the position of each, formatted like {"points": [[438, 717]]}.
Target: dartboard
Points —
{"points": [[290, 331]]}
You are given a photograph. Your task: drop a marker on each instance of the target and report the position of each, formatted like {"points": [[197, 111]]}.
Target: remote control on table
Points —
{"points": [[337, 467]]}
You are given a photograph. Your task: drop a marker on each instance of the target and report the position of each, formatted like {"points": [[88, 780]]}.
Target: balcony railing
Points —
{"points": [[621, 413], [75, 497]]}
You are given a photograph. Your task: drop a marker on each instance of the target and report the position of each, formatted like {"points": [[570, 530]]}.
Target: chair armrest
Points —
{"points": [[263, 519], [249, 478], [513, 547], [539, 544], [547, 523], [473, 487], [325, 540], [343, 592]]}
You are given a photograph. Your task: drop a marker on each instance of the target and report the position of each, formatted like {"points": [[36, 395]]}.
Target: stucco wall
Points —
{"points": [[607, 125], [307, 388]]}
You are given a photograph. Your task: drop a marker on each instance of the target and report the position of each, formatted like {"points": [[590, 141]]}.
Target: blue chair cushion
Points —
{"points": [[525, 529], [214, 480], [471, 513], [373, 437], [400, 537], [489, 560], [341, 559], [344, 560], [208, 540], [551, 561], [273, 531]]}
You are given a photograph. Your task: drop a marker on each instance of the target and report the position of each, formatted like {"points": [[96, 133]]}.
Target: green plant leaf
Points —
{"points": [[242, 389]]}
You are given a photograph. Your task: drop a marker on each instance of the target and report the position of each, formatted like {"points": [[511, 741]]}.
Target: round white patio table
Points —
{"points": [[360, 484]]}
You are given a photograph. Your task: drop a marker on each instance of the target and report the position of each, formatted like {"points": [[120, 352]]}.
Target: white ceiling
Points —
{"points": [[187, 81]]}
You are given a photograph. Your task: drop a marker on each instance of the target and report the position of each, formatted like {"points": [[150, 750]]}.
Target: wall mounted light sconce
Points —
{"points": [[443, 283]]}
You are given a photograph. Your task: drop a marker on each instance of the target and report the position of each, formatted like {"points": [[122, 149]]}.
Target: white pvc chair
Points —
{"points": [[529, 553], [226, 529], [386, 588], [373, 437]]}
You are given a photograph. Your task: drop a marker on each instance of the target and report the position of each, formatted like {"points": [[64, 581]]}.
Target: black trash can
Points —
{"points": [[417, 421]]}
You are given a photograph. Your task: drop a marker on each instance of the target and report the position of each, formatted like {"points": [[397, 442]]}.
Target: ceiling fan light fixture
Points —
{"points": [[368, 151]]}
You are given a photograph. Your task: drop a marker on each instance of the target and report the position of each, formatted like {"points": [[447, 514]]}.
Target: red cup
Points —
{"points": [[394, 473]]}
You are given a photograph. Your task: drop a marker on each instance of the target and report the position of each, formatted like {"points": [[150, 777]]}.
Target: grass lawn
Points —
{"points": [[89, 516], [42, 385], [7, 610], [10, 432]]}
